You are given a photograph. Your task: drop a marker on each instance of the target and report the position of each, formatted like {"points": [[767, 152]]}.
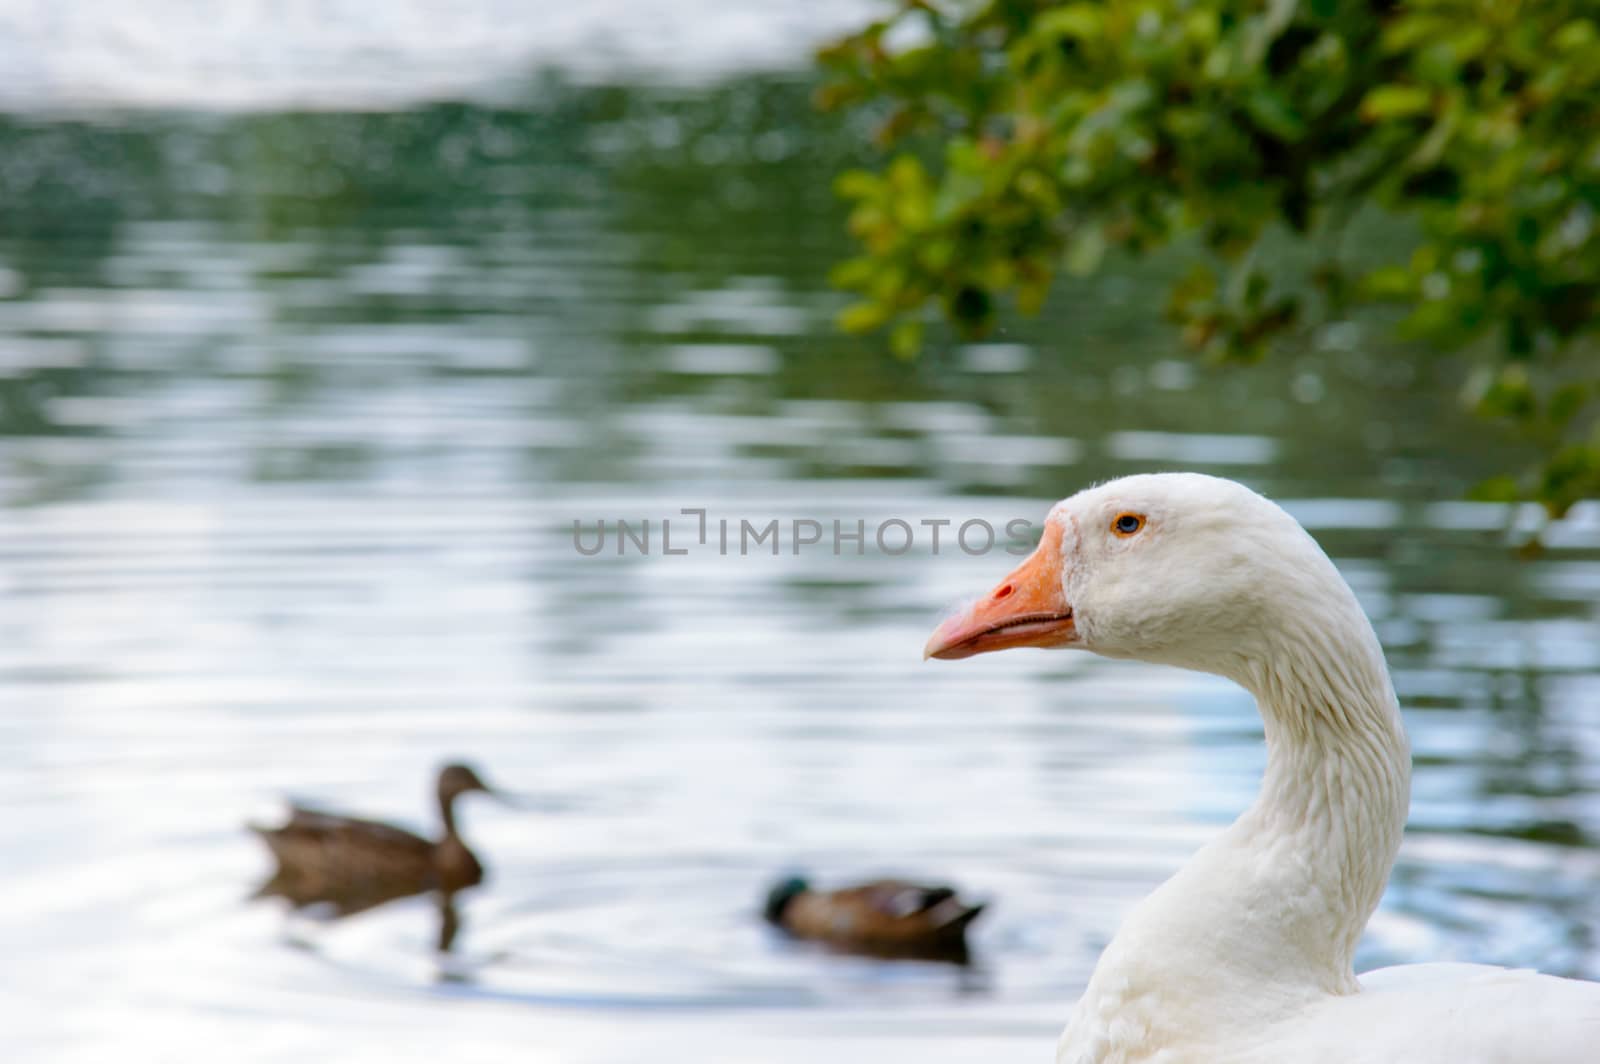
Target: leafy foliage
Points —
{"points": [[1034, 136]]}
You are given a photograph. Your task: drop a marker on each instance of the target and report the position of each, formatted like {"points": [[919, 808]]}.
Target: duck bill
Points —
{"points": [[523, 802], [1026, 609], [513, 799]]}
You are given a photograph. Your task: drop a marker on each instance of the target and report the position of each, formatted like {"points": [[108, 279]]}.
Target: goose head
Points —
{"points": [[1173, 568]]}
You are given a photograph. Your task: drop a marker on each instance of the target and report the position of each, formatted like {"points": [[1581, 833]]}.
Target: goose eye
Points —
{"points": [[1127, 524]]}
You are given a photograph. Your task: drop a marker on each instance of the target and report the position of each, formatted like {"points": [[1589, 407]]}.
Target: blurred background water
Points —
{"points": [[320, 325]]}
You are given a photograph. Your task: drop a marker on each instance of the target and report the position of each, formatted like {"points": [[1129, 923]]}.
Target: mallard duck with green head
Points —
{"points": [[889, 918]]}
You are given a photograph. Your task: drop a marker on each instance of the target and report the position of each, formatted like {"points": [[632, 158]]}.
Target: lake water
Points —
{"points": [[297, 411]]}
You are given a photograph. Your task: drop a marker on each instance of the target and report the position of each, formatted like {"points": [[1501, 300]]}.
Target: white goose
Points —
{"points": [[1245, 955]]}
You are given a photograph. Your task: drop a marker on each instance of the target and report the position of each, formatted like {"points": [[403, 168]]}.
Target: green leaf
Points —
{"points": [[857, 184], [853, 273], [1508, 394], [1390, 282], [1271, 110], [1395, 101], [1576, 36], [1085, 251], [1198, 286], [1572, 473], [1032, 290], [1502, 488], [905, 339], [906, 175], [1566, 401], [1083, 21], [863, 317]]}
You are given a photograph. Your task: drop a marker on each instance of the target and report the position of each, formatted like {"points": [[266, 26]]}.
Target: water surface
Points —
{"points": [[297, 411]]}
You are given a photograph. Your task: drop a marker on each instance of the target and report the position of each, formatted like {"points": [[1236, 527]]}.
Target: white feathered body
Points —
{"points": [[1409, 1014]]}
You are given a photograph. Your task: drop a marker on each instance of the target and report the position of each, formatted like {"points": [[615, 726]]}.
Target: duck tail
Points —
{"points": [[960, 917], [273, 838], [275, 885]]}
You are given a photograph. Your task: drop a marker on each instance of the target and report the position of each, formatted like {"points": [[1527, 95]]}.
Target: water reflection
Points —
{"points": [[296, 413]]}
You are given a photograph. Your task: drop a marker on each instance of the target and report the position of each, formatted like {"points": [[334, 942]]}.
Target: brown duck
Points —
{"points": [[350, 865], [883, 918]]}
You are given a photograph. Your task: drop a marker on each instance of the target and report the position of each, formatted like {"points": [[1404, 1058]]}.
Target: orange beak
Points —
{"points": [[1028, 609]]}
